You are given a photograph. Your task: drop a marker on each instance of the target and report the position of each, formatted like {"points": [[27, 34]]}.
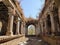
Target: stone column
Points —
{"points": [[23, 28], [39, 28], [52, 24], [37, 31], [43, 23], [10, 21], [26, 30], [42, 28], [59, 16], [45, 27], [10, 25], [18, 25], [59, 13], [22, 31]]}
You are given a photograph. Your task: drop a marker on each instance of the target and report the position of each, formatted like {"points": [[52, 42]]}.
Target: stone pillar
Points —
{"points": [[26, 30], [10, 21], [45, 27], [10, 25], [18, 25], [22, 29], [59, 18], [43, 23], [37, 31], [39, 28], [42, 28], [58, 24], [52, 24], [59, 13]]}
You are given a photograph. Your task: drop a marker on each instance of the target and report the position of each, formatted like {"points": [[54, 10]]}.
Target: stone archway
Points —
{"points": [[31, 22], [30, 26]]}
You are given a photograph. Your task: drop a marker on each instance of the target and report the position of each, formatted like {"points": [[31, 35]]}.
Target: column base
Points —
{"points": [[9, 33], [17, 33], [53, 34]]}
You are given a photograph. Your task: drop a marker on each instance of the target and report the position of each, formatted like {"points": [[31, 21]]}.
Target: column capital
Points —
{"points": [[1, 0], [11, 11], [18, 19]]}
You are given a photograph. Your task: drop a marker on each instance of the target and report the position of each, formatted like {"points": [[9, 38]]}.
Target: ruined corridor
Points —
{"points": [[15, 27]]}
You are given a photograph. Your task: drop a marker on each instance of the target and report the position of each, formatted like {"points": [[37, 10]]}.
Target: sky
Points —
{"points": [[31, 8]]}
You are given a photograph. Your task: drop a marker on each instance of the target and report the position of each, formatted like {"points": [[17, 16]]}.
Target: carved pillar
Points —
{"points": [[59, 17], [26, 30], [10, 21], [45, 27], [10, 25], [37, 31], [59, 13], [18, 25], [39, 28], [42, 27], [22, 29], [43, 24], [52, 24]]}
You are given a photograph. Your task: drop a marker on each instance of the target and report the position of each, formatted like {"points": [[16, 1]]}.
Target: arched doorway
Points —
{"points": [[31, 30]]}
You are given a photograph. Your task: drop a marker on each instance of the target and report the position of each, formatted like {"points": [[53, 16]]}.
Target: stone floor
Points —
{"points": [[14, 41], [33, 41]]}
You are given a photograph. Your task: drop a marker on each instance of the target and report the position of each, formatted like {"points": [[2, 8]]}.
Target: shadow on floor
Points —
{"points": [[34, 41]]}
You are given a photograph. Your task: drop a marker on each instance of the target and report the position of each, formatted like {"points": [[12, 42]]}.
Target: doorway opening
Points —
{"points": [[31, 30]]}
